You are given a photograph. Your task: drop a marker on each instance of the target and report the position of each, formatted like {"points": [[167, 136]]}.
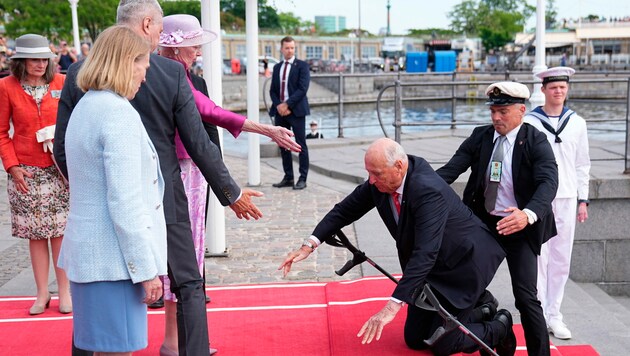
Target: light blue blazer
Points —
{"points": [[116, 228]]}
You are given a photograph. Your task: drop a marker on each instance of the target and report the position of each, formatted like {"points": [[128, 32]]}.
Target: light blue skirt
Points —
{"points": [[109, 316]]}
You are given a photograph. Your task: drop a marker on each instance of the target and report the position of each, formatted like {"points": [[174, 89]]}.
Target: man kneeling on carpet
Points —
{"points": [[440, 242]]}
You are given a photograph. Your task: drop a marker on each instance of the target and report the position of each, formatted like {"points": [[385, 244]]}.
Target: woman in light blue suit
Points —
{"points": [[115, 243]]}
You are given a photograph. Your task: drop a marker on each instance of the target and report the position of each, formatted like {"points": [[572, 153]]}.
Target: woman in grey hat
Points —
{"points": [[38, 196]]}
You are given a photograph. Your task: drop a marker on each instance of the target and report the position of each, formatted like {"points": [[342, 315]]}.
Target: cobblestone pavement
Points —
{"points": [[255, 248]]}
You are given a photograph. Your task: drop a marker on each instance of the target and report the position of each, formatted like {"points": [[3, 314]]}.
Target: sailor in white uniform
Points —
{"points": [[567, 135]]}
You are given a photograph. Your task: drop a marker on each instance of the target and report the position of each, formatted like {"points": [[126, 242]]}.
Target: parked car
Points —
{"points": [[261, 64], [315, 64]]}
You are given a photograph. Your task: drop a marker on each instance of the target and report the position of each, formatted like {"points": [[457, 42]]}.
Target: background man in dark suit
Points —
{"points": [[512, 194], [289, 84], [439, 241], [166, 104]]}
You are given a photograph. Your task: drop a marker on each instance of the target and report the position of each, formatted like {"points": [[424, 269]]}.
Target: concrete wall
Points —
{"points": [[602, 244]]}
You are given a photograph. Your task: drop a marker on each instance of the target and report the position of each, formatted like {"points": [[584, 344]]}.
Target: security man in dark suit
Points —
{"points": [[289, 84], [439, 241], [166, 105], [513, 180]]}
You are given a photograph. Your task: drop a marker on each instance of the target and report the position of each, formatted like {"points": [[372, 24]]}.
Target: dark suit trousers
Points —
{"points": [[522, 263], [421, 324], [297, 124], [187, 284]]}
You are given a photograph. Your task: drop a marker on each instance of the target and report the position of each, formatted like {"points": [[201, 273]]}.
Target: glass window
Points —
{"points": [[268, 51], [346, 52], [331, 52], [314, 52], [368, 51], [241, 51]]}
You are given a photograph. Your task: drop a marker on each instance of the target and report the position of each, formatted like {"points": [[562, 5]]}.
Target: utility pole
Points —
{"points": [[388, 28], [359, 34]]}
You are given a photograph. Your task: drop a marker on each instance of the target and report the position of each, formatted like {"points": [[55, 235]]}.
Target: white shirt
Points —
{"points": [[505, 191], [286, 78], [572, 156]]}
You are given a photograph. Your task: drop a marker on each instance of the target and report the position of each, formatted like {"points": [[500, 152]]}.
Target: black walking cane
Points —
{"points": [[450, 322]]}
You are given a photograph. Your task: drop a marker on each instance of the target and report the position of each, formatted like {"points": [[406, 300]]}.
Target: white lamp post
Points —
{"points": [[75, 25], [352, 36], [537, 97], [212, 72]]}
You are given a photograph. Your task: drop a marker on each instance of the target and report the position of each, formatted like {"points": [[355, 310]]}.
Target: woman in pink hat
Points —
{"points": [[181, 41], [38, 196]]}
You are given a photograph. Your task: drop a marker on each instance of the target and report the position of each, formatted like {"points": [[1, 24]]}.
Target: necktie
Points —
{"points": [[396, 196], [493, 186], [284, 79]]}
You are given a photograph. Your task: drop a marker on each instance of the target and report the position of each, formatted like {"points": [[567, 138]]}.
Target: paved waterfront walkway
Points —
{"points": [[256, 248]]}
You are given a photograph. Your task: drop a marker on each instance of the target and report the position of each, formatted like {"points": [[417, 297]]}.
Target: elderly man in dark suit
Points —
{"points": [[166, 104], [513, 180], [289, 84], [439, 241]]}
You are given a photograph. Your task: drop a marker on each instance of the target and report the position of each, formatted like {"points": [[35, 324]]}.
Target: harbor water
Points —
{"points": [[361, 120]]}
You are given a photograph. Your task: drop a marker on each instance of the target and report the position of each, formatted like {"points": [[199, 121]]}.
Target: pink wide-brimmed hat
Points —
{"points": [[184, 31]]}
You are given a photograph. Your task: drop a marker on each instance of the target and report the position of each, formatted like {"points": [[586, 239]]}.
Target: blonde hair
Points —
{"points": [[109, 66]]}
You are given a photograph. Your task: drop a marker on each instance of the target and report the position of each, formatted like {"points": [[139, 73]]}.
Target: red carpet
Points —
{"points": [[268, 319]]}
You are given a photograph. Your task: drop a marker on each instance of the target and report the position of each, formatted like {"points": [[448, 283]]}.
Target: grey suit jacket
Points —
{"points": [[165, 104]]}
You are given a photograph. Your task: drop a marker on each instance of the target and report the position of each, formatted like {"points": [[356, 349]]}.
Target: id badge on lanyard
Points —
{"points": [[495, 171]]}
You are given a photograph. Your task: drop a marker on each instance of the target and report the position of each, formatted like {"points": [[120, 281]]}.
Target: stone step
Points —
{"points": [[595, 318]]}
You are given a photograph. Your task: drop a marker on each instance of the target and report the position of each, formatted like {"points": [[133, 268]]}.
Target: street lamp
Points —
{"points": [[537, 98], [352, 36], [75, 25]]}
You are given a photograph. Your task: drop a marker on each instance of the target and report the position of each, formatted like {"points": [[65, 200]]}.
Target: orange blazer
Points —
{"points": [[19, 108]]}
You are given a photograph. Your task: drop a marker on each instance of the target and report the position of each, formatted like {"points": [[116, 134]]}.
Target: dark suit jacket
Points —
{"points": [[298, 82], [165, 103], [439, 240], [200, 84], [534, 172]]}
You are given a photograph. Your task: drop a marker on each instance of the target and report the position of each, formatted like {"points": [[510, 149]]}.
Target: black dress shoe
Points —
{"points": [[301, 184], [207, 299], [157, 304], [485, 309], [507, 345], [284, 183]]}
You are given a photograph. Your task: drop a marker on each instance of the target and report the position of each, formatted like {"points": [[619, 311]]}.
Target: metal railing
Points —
{"points": [[398, 98], [453, 83]]}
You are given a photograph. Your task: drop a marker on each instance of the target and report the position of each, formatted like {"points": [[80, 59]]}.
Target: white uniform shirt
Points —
{"points": [[572, 156]]}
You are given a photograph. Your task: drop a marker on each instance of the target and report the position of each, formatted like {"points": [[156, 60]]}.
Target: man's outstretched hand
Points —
{"points": [[244, 208]]}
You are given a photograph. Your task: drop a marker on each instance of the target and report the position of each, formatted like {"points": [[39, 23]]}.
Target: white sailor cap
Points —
{"points": [[507, 93], [313, 122], [555, 74]]}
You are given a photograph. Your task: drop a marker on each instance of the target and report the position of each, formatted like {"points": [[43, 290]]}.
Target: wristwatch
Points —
{"points": [[309, 243]]}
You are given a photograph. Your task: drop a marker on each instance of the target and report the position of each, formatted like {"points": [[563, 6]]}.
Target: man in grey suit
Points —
{"points": [[166, 104]]}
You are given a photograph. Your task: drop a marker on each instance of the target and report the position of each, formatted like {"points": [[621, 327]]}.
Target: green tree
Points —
{"points": [[53, 19], [267, 15], [289, 23], [495, 21], [551, 15]]}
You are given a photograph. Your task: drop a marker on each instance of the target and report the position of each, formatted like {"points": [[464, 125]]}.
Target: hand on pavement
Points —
{"points": [[295, 256]]}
